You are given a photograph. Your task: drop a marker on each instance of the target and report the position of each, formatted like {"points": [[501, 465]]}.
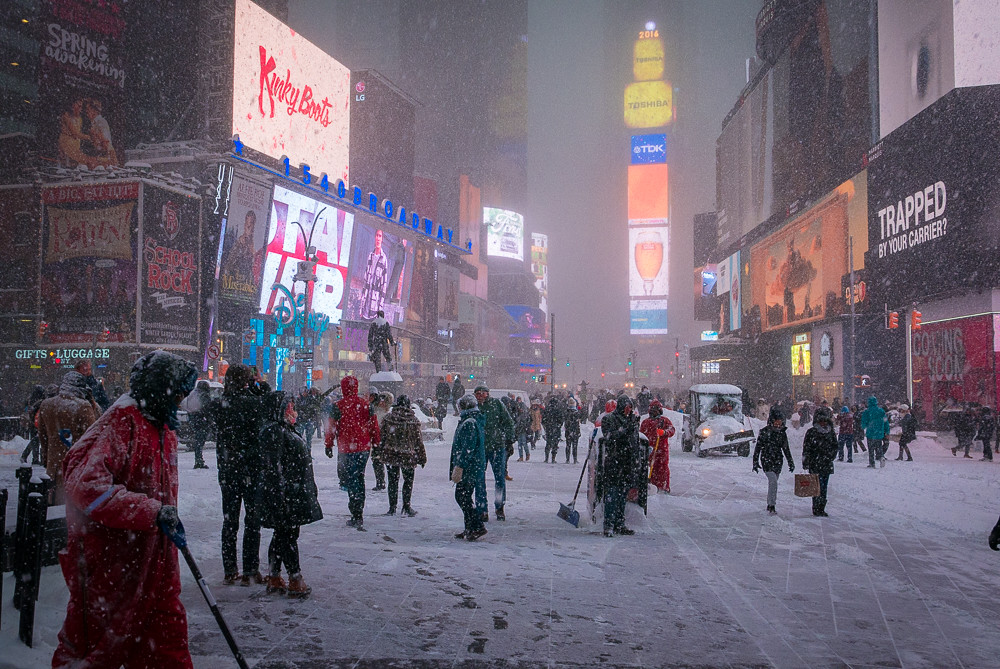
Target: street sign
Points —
{"points": [[213, 352], [449, 368]]}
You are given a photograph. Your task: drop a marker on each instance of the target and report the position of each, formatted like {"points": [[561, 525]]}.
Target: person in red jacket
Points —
{"points": [[121, 571], [354, 426], [658, 429]]}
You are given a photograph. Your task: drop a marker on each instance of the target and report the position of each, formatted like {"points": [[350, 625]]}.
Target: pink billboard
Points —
{"points": [[289, 97]]}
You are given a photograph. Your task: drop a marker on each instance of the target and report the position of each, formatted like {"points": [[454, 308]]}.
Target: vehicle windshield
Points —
{"points": [[713, 404]]}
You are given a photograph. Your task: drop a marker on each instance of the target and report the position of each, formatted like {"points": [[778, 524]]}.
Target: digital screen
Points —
{"points": [[649, 104], [649, 149], [331, 231], [540, 267], [379, 277], [648, 188], [647, 269], [289, 97], [504, 233], [648, 317], [801, 360], [530, 322], [796, 271], [243, 245]]}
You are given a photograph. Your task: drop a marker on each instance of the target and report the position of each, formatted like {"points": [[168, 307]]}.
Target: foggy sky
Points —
{"points": [[579, 61]]}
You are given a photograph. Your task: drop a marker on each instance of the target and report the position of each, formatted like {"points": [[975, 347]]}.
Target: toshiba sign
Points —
{"points": [[289, 97]]}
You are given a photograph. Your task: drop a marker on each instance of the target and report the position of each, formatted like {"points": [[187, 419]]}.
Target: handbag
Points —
{"points": [[806, 485]]}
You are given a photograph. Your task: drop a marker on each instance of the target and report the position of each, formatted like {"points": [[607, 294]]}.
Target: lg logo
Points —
{"points": [[360, 88]]}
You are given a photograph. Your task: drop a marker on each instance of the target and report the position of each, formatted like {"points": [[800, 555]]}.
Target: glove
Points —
{"points": [[167, 518], [456, 475], [329, 452], [791, 468], [756, 468]]}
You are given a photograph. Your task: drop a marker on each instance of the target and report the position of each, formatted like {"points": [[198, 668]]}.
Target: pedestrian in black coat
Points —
{"points": [[770, 452], [908, 423], [552, 421], [286, 495], [819, 450], [238, 416], [572, 419], [621, 450], [987, 426]]}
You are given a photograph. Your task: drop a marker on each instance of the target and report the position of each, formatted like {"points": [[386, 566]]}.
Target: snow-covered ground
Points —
{"points": [[898, 575]]}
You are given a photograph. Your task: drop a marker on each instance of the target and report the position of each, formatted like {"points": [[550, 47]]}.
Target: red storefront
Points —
{"points": [[954, 361]]}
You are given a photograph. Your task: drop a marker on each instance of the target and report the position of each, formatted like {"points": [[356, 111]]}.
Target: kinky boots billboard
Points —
{"points": [[933, 202]]}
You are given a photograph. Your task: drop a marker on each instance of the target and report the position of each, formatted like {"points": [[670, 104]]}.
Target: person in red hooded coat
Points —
{"points": [[658, 429], [354, 426], [121, 571]]}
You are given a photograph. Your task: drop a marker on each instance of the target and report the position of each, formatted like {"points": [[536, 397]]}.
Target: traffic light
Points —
{"points": [[893, 322], [630, 362], [472, 376], [915, 317], [602, 375], [340, 332], [567, 364], [43, 327]]}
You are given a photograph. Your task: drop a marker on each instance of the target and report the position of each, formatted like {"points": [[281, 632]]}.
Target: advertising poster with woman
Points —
{"points": [[379, 278], [82, 83]]}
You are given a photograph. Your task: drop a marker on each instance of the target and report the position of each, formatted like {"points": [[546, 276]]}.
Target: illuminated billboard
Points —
{"points": [[504, 233], [795, 273], [648, 317], [331, 235], [648, 192], [379, 277], [540, 268], [647, 149], [801, 360], [648, 58], [649, 104], [647, 270], [289, 97]]}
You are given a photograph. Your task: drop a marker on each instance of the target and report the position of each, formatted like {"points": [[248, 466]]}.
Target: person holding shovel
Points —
{"points": [[121, 569], [658, 429]]}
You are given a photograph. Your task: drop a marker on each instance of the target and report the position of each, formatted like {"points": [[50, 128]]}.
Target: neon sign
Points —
{"points": [[291, 310]]}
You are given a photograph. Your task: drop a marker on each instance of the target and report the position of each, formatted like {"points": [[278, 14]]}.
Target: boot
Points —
{"points": [[408, 510], [231, 579], [460, 535], [276, 584], [475, 534], [527, 456], [297, 587], [391, 511], [255, 577], [486, 516], [500, 514], [624, 531], [954, 451]]}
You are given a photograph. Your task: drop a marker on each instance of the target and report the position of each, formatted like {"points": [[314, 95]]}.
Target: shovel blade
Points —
{"points": [[569, 514]]}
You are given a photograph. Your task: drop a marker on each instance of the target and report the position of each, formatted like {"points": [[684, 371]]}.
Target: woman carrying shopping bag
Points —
{"points": [[818, 453]]}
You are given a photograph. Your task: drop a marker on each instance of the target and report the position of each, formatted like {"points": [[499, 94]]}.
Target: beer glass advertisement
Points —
{"points": [[647, 269], [648, 317], [504, 233], [19, 230], [243, 246], [379, 277], [796, 272], [293, 217], [171, 291], [81, 92], [88, 278], [289, 97]]}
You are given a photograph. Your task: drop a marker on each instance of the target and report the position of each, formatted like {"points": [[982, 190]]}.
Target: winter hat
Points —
{"points": [[74, 384], [157, 379], [403, 401], [775, 414], [823, 415], [844, 409], [906, 407], [467, 402], [655, 408], [481, 389]]}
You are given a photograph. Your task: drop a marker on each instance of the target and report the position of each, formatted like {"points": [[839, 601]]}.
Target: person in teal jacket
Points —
{"points": [[468, 465], [876, 427], [498, 428]]}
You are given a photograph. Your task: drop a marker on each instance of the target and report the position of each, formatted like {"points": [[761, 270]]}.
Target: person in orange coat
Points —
{"points": [[658, 429], [121, 570]]}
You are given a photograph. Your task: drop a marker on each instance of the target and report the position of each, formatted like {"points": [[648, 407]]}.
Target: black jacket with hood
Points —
{"points": [[772, 445]]}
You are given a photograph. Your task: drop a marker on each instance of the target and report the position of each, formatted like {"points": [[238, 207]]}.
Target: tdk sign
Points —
{"points": [[648, 149]]}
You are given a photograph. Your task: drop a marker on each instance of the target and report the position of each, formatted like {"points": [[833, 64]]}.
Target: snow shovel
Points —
{"points": [[177, 536], [569, 513]]}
